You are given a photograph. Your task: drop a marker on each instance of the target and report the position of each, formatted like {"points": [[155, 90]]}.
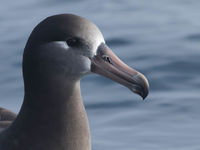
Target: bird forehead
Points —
{"points": [[76, 26]]}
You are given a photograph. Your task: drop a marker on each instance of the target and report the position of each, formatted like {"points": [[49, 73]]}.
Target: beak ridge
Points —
{"points": [[106, 63]]}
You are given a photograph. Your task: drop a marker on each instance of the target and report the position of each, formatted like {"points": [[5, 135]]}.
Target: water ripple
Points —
{"points": [[117, 42]]}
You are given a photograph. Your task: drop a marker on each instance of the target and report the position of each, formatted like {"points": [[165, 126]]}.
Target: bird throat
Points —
{"points": [[58, 117]]}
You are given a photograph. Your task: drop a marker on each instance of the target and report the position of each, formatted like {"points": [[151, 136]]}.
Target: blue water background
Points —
{"points": [[161, 39]]}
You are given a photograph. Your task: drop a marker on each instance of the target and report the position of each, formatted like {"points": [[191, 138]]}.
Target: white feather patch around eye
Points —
{"points": [[56, 45]]}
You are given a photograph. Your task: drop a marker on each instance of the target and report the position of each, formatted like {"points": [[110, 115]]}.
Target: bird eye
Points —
{"points": [[71, 42]]}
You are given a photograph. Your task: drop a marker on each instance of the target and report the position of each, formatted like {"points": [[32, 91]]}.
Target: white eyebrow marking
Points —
{"points": [[56, 45]]}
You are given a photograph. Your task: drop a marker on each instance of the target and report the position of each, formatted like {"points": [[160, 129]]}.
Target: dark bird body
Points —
{"points": [[60, 50]]}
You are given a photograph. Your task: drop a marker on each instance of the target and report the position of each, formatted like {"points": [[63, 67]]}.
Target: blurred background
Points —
{"points": [[161, 39]]}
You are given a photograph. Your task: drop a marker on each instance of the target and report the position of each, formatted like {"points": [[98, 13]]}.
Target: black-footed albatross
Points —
{"points": [[60, 50]]}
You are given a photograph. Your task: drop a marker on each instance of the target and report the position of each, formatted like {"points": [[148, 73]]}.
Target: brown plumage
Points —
{"points": [[6, 118], [60, 50]]}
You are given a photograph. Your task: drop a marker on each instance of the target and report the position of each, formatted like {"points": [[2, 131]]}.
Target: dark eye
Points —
{"points": [[72, 42]]}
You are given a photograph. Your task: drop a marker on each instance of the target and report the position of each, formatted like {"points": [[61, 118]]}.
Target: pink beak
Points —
{"points": [[106, 63]]}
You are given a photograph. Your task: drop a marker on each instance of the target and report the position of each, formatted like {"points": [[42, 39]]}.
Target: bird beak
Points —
{"points": [[106, 63]]}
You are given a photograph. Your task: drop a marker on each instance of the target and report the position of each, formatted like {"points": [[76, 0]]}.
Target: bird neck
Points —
{"points": [[57, 116]]}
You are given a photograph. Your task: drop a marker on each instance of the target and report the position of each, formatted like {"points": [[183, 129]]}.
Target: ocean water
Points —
{"points": [[161, 39]]}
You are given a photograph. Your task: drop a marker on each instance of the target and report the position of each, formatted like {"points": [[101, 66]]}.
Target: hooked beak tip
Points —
{"points": [[143, 82], [145, 95], [141, 86]]}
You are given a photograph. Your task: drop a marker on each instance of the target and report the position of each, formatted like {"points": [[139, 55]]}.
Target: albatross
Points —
{"points": [[59, 52]]}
